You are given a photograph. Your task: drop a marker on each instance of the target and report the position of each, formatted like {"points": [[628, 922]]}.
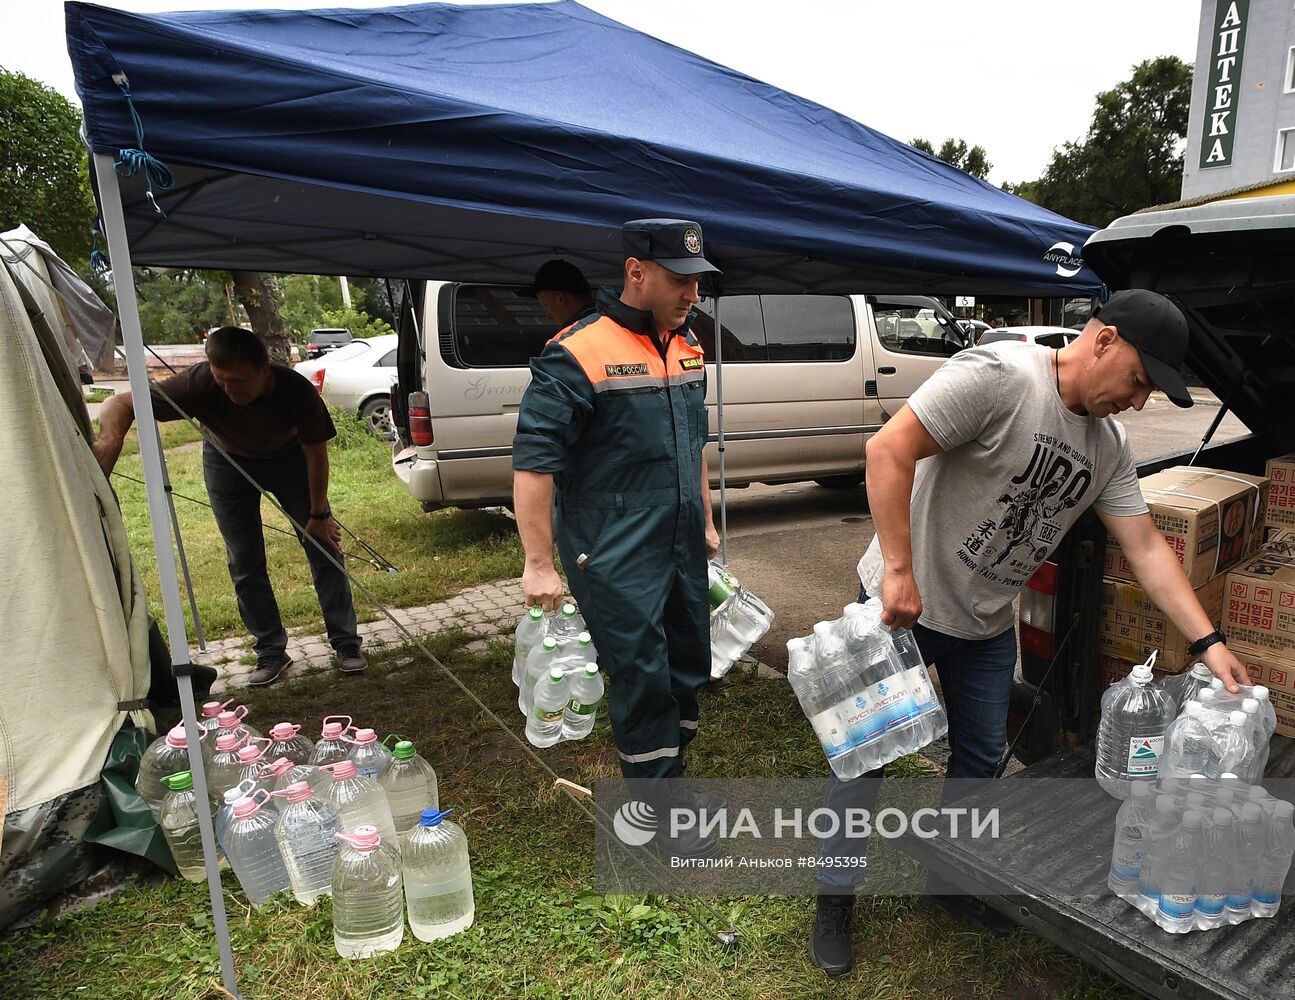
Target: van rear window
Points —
{"points": [[495, 326]]}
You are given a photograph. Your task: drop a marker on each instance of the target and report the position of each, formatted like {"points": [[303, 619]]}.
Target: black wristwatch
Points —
{"points": [[321, 516], [1204, 643]]}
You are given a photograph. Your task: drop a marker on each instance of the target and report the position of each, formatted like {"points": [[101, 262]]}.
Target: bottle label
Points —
{"points": [[1268, 896], [922, 690], [1126, 864], [831, 733], [548, 716], [578, 708], [1210, 904], [876, 710], [1144, 756], [1177, 904], [1236, 901]]}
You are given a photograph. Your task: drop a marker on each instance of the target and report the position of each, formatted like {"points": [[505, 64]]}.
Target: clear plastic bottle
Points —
{"points": [[1258, 692], [304, 831], [207, 726], [280, 773], [840, 674], [1132, 828], [225, 769], [585, 643], [1258, 738], [438, 877], [583, 698], [749, 617], [1164, 822], [253, 849], [1186, 744], [330, 747], [884, 707], [225, 814], [1218, 878], [726, 647], [544, 723], [360, 801], [370, 757], [1177, 910], [530, 633], [233, 721], [1275, 862], [1183, 687], [179, 823], [1250, 850], [931, 722], [823, 695], [286, 741], [567, 624], [541, 659], [253, 757], [410, 784], [1135, 714], [165, 756], [368, 895], [1231, 750]]}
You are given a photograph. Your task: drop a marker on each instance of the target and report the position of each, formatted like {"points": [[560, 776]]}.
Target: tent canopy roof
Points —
{"points": [[473, 143]]}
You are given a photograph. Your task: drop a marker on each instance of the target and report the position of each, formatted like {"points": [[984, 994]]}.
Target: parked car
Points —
{"points": [[1046, 336], [325, 339], [807, 380], [357, 378]]}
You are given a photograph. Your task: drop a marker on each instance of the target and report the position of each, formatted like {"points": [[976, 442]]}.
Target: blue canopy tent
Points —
{"points": [[472, 143]]}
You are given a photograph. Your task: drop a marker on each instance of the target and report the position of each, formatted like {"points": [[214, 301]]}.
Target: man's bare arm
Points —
{"points": [[533, 505], [115, 418]]}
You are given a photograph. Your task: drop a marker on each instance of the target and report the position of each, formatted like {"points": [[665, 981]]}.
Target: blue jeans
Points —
{"points": [[976, 680]]}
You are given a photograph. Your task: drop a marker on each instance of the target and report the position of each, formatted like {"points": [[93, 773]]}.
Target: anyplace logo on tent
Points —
{"points": [[1063, 255]]}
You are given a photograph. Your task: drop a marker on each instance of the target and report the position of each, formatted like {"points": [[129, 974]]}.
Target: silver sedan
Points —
{"points": [[358, 378]]}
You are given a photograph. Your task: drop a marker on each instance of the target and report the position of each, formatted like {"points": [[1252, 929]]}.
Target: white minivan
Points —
{"points": [[807, 380]]}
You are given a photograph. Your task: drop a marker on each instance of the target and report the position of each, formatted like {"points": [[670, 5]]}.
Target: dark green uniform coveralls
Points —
{"points": [[619, 419]]}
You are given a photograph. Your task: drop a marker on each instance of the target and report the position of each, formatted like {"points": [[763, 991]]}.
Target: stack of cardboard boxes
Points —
{"points": [[1213, 520]]}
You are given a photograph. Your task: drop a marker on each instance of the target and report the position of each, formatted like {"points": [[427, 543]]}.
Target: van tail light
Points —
{"points": [[1038, 612], [420, 419], [317, 380]]}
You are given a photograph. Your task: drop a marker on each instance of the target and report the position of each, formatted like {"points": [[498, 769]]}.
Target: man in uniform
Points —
{"points": [[563, 291], [272, 422], [613, 427]]}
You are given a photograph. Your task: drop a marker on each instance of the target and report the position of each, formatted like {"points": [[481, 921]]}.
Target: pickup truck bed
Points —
{"points": [[1037, 860]]}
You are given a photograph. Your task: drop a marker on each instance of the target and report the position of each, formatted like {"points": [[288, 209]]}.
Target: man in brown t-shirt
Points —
{"points": [[272, 423]]}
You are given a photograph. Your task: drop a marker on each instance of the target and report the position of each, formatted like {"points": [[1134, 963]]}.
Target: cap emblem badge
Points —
{"points": [[692, 240]]}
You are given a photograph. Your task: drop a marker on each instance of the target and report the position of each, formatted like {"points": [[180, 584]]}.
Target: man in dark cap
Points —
{"points": [[1016, 446], [563, 291], [614, 427]]}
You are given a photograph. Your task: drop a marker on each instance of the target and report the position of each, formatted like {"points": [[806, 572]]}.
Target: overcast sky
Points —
{"points": [[1019, 77]]}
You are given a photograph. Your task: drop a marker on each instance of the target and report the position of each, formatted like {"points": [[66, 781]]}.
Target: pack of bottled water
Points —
{"points": [[559, 687], [865, 690], [1201, 852], [738, 619]]}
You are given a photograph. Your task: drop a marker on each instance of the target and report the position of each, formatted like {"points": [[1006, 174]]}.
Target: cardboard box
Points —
{"points": [[1211, 519], [1277, 673], [1130, 626], [1259, 606], [1280, 540], [1281, 491]]}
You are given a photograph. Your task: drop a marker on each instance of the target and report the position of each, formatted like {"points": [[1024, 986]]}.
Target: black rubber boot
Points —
{"points": [[667, 794], [831, 946]]}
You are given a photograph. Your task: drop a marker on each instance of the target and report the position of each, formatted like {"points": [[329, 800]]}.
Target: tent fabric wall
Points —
{"points": [[74, 623]]}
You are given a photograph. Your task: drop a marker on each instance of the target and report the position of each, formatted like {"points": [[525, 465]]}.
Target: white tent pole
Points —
{"points": [[179, 550], [150, 451], [719, 409]]}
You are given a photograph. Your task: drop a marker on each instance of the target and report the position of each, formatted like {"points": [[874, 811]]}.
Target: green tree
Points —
{"points": [[972, 160], [175, 306], [44, 172], [1132, 155]]}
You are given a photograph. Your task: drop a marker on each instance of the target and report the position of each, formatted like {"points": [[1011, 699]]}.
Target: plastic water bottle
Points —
{"points": [[1177, 910], [253, 758], [1187, 744], [1275, 863], [179, 823], [583, 698], [587, 649], [1183, 687], [368, 895], [330, 748], [931, 722], [1136, 712], [1231, 750], [1250, 852], [438, 877], [360, 801], [726, 646], [749, 617], [165, 756], [583, 653], [207, 726], [280, 773], [410, 785], [544, 723], [370, 757], [530, 633], [840, 678], [541, 659], [1258, 738], [233, 721], [286, 741], [253, 850], [884, 707], [1258, 691], [1164, 822], [225, 769], [824, 695], [567, 624], [304, 831], [1219, 877], [1132, 828], [225, 814]]}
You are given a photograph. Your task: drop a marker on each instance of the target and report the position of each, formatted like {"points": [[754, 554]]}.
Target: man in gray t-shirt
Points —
{"points": [[971, 485]]}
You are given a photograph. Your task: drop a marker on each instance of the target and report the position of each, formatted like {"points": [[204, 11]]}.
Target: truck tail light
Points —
{"points": [[317, 380], [1038, 612], [420, 419]]}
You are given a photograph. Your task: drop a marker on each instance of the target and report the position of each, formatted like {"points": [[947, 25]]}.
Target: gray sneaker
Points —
{"points": [[350, 660], [268, 669]]}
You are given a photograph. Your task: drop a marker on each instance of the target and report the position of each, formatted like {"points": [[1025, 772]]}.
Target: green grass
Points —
{"points": [[95, 395], [539, 931], [437, 554]]}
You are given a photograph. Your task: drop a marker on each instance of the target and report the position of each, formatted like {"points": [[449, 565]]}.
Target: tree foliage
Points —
{"points": [[1131, 157], [176, 306], [44, 172], [972, 160]]}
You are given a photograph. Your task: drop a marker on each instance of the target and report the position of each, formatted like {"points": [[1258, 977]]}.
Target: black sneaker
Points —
{"points": [[268, 669], [831, 947], [350, 660], [974, 911]]}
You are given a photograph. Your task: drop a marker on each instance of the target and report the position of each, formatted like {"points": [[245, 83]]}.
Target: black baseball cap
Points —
{"points": [[558, 276], [1156, 327], [675, 244]]}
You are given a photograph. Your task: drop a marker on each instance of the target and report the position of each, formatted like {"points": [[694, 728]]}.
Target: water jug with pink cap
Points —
{"points": [[371, 757], [234, 721], [282, 772], [225, 768], [207, 724], [368, 896], [330, 748], [304, 830], [253, 850], [360, 801], [286, 741], [253, 755], [167, 754]]}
